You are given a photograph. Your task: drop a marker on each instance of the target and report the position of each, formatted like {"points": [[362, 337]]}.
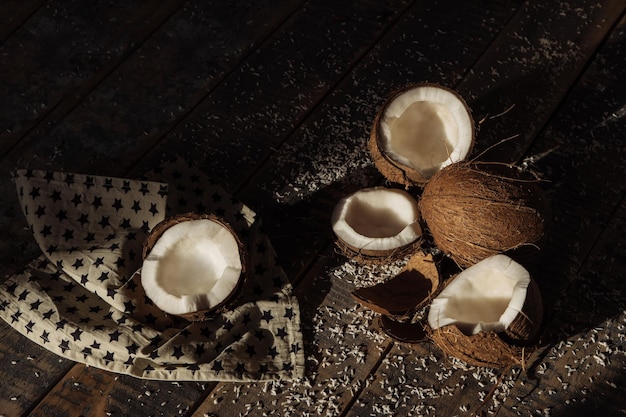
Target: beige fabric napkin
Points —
{"points": [[83, 299]]}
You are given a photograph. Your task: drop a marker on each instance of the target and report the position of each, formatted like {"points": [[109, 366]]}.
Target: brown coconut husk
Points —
{"points": [[404, 294], [482, 349], [165, 224], [372, 257], [474, 210], [392, 170]]}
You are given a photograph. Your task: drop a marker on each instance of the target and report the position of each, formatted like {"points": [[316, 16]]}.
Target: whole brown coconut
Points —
{"points": [[419, 130], [478, 209]]}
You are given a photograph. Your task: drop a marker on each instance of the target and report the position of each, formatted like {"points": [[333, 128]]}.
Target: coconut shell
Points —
{"points": [[525, 328], [404, 294], [482, 349], [403, 332], [372, 257], [476, 210], [392, 170], [165, 224]]}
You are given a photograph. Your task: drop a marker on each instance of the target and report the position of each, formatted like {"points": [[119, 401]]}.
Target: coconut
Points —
{"points": [[193, 265], [476, 210], [401, 296], [376, 223], [488, 314], [420, 130]]}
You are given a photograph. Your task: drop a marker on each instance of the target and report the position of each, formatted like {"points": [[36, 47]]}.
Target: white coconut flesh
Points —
{"points": [[377, 219], [486, 296], [194, 266], [427, 128]]}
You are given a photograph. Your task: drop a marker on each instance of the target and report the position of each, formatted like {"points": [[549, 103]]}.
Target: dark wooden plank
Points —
{"points": [[61, 53], [167, 76], [581, 369], [14, 13], [25, 365], [340, 355]]}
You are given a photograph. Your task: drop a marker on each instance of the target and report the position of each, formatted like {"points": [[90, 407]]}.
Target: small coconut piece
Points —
{"points": [[193, 265], [488, 314], [476, 210], [403, 332], [375, 223], [404, 294], [420, 130]]}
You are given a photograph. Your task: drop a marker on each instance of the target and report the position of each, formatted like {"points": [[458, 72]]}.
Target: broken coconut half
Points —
{"points": [[420, 130], [193, 265], [488, 313], [375, 223]]}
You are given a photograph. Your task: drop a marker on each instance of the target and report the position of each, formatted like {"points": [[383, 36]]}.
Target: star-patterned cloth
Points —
{"points": [[83, 298]]}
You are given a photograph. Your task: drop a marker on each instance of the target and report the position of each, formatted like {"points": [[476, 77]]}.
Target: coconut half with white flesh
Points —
{"points": [[376, 222], [487, 313], [193, 265], [420, 130]]}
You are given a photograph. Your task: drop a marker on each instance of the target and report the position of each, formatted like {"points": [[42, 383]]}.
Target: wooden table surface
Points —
{"points": [[274, 101]]}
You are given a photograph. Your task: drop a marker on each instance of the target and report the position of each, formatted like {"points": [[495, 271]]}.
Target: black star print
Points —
{"points": [[62, 215], [97, 202], [103, 277], [108, 183], [82, 298], [199, 350], [45, 337], [228, 325], [48, 314], [35, 305], [108, 357], [16, 317], [56, 196], [295, 348], [89, 182], [250, 350], [132, 348], [83, 219], [153, 209], [289, 313], [128, 306], [240, 368], [111, 292], [259, 334], [49, 176], [98, 261], [216, 197], [90, 237], [217, 366], [114, 247], [64, 345], [278, 282], [144, 188], [23, 295], [273, 352], [41, 211], [95, 345], [84, 278], [51, 249], [86, 352], [78, 199], [68, 234], [115, 335], [126, 187], [117, 204], [282, 332], [95, 309], [34, 193], [104, 221], [136, 206], [263, 368], [259, 269], [125, 224], [287, 366], [76, 334], [150, 318], [71, 309], [162, 190], [29, 326], [267, 316], [46, 231], [178, 352], [69, 179]]}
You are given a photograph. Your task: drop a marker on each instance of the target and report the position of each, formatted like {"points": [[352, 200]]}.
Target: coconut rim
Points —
{"points": [[346, 233], [437, 317], [399, 102], [198, 304]]}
